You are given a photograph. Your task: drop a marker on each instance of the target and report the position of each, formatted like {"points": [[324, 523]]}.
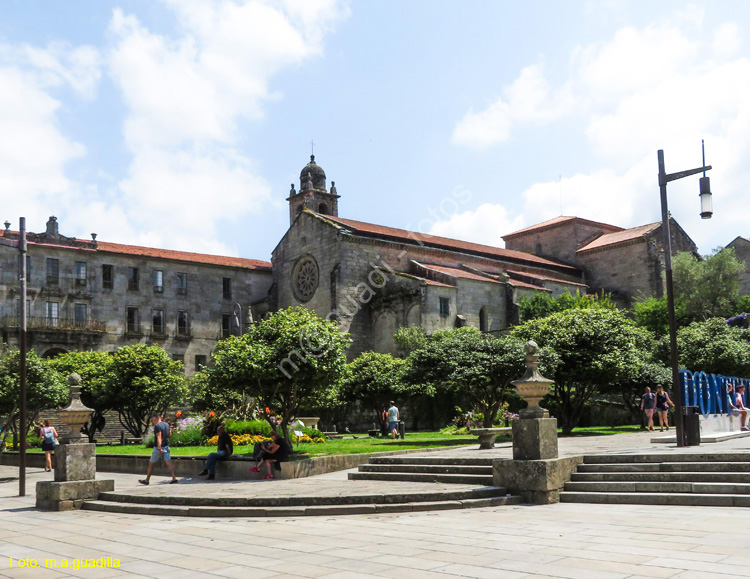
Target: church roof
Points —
{"points": [[434, 241], [458, 272], [557, 222], [626, 236], [188, 256], [513, 272], [424, 280]]}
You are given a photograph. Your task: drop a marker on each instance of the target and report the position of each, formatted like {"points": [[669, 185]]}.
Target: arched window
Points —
{"points": [[323, 209], [483, 325]]}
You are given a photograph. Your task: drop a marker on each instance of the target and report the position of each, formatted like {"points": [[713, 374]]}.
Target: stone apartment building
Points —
{"points": [[95, 295]]}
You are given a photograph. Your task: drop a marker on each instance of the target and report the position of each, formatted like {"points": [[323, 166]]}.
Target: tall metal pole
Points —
{"points": [[22, 362]]}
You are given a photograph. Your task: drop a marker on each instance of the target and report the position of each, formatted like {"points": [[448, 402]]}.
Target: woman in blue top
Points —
{"points": [[48, 435], [648, 405], [663, 403]]}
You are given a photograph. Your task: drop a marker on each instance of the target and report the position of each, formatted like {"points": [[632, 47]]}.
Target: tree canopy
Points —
{"points": [[595, 347], [288, 361], [541, 305], [141, 381], [374, 379], [477, 366], [713, 347]]}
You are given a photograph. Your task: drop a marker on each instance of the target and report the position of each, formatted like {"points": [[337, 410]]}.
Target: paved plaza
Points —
{"points": [[562, 540]]}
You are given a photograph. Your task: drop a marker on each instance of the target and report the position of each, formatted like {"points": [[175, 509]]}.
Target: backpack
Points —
{"points": [[49, 434]]}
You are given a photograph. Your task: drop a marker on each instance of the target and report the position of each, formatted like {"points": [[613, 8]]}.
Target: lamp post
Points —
{"points": [[706, 212]]}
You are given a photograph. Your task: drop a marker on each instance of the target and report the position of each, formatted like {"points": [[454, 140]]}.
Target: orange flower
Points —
{"points": [[268, 410], [211, 414], [178, 414]]}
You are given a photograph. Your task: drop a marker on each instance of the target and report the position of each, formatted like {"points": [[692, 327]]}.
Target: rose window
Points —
{"points": [[305, 278]]}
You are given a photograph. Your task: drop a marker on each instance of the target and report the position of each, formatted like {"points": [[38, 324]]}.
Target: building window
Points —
{"points": [[483, 326], [226, 286], [134, 321], [182, 284], [133, 278], [157, 321], [28, 269], [179, 358], [158, 281], [80, 273], [445, 307], [200, 362], [183, 323], [53, 313], [108, 276], [53, 271], [226, 325], [81, 314]]}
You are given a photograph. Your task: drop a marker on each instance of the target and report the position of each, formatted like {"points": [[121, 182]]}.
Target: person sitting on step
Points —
{"points": [[738, 406], [271, 454]]}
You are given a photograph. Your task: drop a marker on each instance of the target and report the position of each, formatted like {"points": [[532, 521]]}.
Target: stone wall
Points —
{"points": [[559, 241], [741, 248]]}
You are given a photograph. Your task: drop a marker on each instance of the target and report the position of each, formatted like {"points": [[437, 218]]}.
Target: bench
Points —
{"points": [[487, 435]]}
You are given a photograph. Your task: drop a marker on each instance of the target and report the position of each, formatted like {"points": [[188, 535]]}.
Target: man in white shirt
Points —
{"points": [[393, 419]]}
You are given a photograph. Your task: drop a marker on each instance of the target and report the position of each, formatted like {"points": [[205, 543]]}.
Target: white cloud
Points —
{"points": [[486, 224], [666, 86], [34, 151], [187, 97]]}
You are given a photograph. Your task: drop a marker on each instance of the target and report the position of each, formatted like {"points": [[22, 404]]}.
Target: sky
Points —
{"points": [[181, 123]]}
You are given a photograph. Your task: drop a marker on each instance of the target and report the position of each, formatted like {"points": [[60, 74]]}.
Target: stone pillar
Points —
{"points": [[535, 472], [75, 461]]}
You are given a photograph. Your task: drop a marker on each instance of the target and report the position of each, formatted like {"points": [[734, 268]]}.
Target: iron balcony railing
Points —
{"points": [[59, 324]]}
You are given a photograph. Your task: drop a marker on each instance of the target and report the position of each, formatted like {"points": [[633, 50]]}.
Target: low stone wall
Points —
{"points": [[235, 468]]}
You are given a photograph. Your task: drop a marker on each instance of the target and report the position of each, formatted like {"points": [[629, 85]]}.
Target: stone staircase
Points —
{"points": [[721, 479], [357, 504], [476, 471]]}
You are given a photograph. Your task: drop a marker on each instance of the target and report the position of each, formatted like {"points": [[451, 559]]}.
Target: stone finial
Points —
{"points": [[532, 386], [52, 226], [6, 233], [74, 379], [75, 414], [333, 187], [292, 192], [308, 184], [312, 158], [93, 237], [531, 348]]}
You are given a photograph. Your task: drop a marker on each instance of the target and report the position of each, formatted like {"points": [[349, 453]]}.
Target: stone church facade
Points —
{"points": [[374, 279]]}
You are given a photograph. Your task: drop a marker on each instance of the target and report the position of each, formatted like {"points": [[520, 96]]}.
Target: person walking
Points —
{"points": [[393, 420], [48, 434], [224, 450], [162, 431], [663, 403], [648, 405]]}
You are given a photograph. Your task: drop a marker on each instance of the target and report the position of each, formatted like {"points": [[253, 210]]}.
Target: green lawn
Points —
{"points": [[359, 445]]}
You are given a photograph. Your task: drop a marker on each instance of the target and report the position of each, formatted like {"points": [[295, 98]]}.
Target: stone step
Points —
{"points": [[311, 510], [728, 477], [703, 466], [666, 457], [471, 479], [437, 495], [430, 460], [682, 499], [659, 487], [431, 468]]}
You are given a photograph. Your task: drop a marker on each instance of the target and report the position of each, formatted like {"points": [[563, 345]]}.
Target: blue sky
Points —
{"points": [[181, 124]]}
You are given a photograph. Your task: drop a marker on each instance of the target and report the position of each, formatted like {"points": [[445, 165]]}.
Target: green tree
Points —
{"points": [[708, 287], [373, 380], [652, 314], [632, 387], [713, 347], [45, 389], [595, 347], [141, 381], [477, 366], [408, 339], [290, 360], [93, 368], [541, 305]]}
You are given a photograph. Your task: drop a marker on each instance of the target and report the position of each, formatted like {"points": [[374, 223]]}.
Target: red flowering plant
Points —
{"points": [[211, 423]]}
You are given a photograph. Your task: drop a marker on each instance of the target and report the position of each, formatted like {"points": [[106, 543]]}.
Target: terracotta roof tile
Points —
{"points": [[559, 221], [544, 277], [611, 239], [424, 280], [516, 283], [458, 272], [411, 237], [184, 256]]}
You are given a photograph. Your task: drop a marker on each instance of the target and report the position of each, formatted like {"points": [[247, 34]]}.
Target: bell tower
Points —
{"points": [[312, 193]]}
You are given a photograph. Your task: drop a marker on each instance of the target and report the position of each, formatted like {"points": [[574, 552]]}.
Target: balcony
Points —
{"points": [[54, 324]]}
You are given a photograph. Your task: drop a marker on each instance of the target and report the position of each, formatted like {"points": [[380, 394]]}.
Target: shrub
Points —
{"points": [[256, 427], [188, 432]]}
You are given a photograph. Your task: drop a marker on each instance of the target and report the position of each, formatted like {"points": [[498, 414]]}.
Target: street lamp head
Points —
{"points": [[705, 195]]}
